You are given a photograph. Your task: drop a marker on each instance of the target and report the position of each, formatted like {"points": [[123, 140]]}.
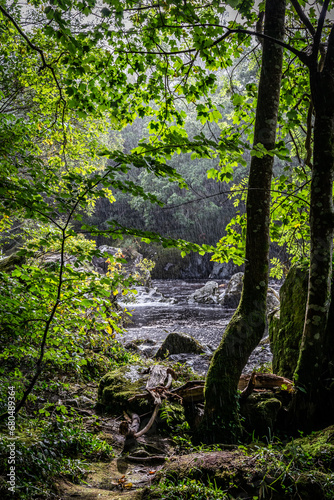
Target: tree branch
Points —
{"points": [[303, 17], [36, 49], [301, 55], [317, 36]]}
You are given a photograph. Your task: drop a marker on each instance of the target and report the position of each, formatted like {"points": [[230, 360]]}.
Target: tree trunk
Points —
{"points": [[315, 369], [245, 330]]}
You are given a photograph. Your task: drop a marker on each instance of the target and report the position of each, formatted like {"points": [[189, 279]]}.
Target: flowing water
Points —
{"points": [[152, 320]]}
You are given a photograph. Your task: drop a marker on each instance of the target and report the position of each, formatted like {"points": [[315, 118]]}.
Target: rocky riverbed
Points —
{"points": [[169, 307]]}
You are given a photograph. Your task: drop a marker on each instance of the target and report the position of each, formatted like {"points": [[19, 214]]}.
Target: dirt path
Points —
{"points": [[117, 480]]}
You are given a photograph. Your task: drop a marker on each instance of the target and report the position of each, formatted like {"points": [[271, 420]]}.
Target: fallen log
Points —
{"points": [[193, 391], [266, 381]]}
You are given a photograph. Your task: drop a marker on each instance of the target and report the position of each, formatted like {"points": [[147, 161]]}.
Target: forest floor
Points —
{"points": [[66, 448]]}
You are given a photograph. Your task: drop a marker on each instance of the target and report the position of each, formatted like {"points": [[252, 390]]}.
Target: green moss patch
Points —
{"points": [[118, 386]]}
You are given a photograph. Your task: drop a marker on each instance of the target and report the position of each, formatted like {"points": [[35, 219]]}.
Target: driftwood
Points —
{"points": [[157, 387]]}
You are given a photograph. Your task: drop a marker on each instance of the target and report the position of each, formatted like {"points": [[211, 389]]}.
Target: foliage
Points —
{"points": [[188, 489], [46, 451]]}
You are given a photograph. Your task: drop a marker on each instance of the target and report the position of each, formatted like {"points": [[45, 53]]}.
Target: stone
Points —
{"points": [[225, 270], [286, 326], [231, 297], [170, 265], [208, 294], [260, 413], [117, 386], [176, 343], [273, 301], [260, 358], [8, 264]]}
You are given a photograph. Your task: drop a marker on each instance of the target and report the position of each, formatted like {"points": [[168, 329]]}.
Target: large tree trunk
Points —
{"points": [[245, 330], [315, 369]]}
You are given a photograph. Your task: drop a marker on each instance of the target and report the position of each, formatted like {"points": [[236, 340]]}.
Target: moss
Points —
{"points": [[117, 386], [8, 264], [260, 413], [316, 448], [309, 486], [178, 342], [171, 416], [286, 328]]}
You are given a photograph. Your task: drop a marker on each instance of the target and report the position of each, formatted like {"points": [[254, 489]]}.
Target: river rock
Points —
{"points": [[206, 295], [273, 301], [8, 264], [117, 386], [176, 343], [231, 297], [224, 270]]}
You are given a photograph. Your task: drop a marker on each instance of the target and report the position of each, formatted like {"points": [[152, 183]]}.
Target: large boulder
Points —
{"points": [[231, 297], [8, 264], [286, 326], [117, 386], [170, 265], [225, 270], [260, 413], [208, 294], [176, 343], [232, 294]]}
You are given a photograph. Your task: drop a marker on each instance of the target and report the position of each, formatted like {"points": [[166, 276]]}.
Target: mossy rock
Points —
{"points": [[8, 264], [117, 386], [286, 327], [177, 343], [260, 412], [317, 448]]}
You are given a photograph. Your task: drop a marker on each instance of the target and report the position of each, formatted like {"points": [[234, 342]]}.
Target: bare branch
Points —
{"points": [[303, 17]]}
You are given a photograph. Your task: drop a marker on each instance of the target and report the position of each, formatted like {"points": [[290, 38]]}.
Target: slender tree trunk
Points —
{"points": [[245, 330], [315, 369]]}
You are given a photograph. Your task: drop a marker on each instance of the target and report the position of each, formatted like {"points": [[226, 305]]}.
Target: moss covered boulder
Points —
{"points": [[8, 264], [260, 413], [286, 326], [177, 343], [117, 386]]}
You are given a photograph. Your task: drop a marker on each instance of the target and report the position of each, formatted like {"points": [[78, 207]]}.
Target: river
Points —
{"points": [[152, 320]]}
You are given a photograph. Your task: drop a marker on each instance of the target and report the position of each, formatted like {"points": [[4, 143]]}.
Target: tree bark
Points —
{"points": [[245, 330], [313, 404]]}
